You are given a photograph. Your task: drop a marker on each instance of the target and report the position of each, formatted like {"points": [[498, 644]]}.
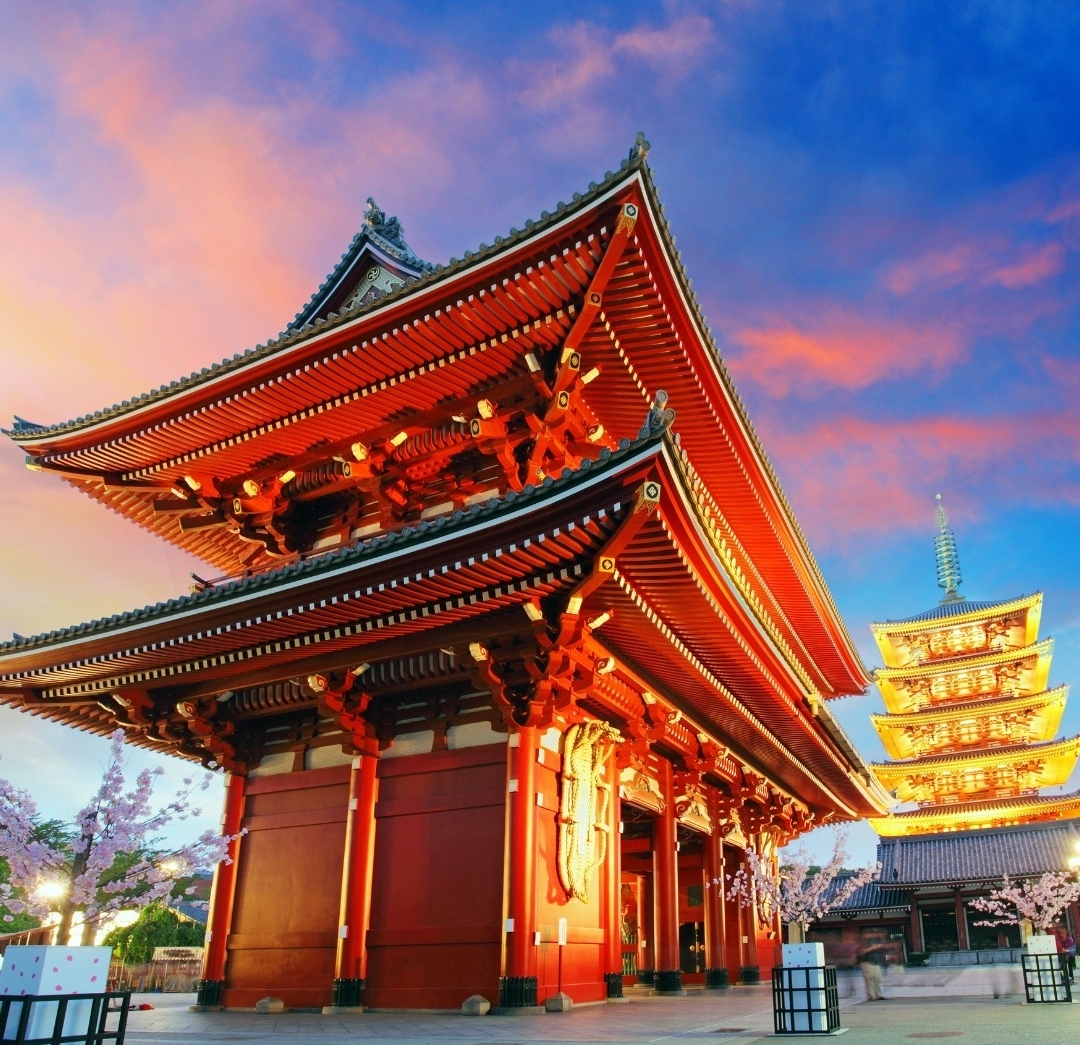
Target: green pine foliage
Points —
{"points": [[156, 926]]}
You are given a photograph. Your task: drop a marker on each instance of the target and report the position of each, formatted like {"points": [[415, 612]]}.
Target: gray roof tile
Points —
{"points": [[977, 856]]}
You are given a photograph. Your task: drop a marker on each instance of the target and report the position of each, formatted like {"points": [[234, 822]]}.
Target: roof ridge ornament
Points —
{"points": [[948, 562], [639, 151], [389, 228], [660, 416]]}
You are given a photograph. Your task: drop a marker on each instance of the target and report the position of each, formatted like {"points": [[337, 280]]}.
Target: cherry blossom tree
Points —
{"points": [[1040, 901], [797, 889], [111, 859]]}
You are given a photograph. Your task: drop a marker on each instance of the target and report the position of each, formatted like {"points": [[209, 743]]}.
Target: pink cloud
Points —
{"points": [[588, 55], [1037, 266], [675, 48], [839, 349], [851, 477]]}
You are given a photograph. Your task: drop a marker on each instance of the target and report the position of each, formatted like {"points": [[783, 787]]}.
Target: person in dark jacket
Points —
{"points": [[872, 962]]}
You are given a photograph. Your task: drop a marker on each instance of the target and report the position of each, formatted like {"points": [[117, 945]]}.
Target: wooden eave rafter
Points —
{"points": [[635, 309]]}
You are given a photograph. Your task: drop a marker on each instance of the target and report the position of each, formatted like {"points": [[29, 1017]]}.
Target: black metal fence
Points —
{"points": [[73, 1019], [1045, 979], [805, 1001]]}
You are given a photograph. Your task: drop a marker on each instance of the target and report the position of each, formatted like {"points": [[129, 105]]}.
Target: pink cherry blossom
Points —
{"points": [[113, 862], [797, 893], [1041, 901]]}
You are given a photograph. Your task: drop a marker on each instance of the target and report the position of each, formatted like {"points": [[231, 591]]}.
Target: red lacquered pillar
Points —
{"points": [[613, 883], [518, 986], [716, 973], [350, 970], [666, 889], [222, 895], [961, 922]]}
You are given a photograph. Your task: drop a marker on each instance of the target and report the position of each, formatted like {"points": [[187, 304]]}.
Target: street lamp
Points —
{"points": [[51, 889]]}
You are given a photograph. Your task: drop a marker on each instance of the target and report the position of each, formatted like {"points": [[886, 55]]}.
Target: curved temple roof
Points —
{"points": [[437, 340]]}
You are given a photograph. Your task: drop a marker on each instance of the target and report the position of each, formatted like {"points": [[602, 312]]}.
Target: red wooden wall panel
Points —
{"points": [[437, 891]]}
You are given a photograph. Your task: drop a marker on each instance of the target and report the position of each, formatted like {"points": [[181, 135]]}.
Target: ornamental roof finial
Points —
{"points": [[948, 562], [389, 228], [640, 149]]}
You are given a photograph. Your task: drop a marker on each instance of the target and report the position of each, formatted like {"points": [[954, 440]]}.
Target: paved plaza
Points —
{"points": [[740, 1015]]}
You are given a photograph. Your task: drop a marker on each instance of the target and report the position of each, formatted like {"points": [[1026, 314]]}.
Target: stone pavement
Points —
{"points": [[742, 1015]]}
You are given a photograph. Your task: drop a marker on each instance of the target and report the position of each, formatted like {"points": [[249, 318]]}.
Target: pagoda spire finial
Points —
{"points": [[948, 562]]}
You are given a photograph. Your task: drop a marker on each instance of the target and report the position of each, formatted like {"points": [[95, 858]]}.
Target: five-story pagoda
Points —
{"points": [[970, 720]]}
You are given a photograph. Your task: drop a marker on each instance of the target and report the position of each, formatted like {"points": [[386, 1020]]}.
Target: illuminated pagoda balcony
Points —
{"points": [[993, 773], [1010, 672], [974, 724]]}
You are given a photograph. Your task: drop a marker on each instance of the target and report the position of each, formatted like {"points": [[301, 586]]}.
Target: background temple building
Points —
{"points": [[499, 640], [970, 726]]}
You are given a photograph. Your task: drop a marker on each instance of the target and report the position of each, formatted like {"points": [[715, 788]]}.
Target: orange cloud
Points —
{"points": [[839, 349]]}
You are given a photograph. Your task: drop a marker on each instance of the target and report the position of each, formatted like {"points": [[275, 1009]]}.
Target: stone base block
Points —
{"points": [[559, 1003], [269, 1006], [477, 1005]]}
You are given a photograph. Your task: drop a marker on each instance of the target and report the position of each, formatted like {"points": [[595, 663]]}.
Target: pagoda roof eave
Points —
{"points": [[767, 523], [950, 712], [910, 822], [957, 612], [1070, 746]]}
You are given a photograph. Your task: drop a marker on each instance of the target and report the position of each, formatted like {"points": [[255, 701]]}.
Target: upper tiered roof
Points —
{"points": [[599, 275]]}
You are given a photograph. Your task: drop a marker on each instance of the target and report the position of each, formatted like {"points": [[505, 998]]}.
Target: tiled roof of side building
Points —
{"points": [[978, 856], [870, 896]]}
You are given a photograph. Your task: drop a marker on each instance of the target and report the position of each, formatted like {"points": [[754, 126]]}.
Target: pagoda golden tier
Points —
{"points": [[970, 721], [501, 639]]}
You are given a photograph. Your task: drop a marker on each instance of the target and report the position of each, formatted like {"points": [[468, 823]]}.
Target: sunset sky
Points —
{"points": [[878, 204]]}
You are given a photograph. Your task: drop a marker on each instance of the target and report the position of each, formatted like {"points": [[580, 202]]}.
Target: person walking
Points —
{"points": [[872, 962], [1067, 945]]}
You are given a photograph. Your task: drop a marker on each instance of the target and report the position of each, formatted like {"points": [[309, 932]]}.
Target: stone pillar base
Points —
{"points": [[669, 981], [346, 994], [517, 992], [208, 995], [717, 980], [614, 984]]}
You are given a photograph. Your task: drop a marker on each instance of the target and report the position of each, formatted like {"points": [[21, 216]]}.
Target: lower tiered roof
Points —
{"points": [[967, 816]]}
